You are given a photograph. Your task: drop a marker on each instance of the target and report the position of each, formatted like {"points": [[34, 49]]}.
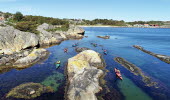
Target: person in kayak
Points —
{"points": [[118, 74], [105, 51], [65, 50]]}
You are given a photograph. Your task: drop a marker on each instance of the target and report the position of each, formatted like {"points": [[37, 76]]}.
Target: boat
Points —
{"points": [[118, 74], [74, 45], [105, 52], [57, 64]]}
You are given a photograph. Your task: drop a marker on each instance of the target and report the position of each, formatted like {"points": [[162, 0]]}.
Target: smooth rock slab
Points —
{"points": [[83, 75]]}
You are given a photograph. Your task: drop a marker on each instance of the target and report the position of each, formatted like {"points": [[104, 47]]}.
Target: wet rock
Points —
{"points": [[35, 56], [104, 37], [83, 75], [163, 58], [29, 91], [136, 71], [80, 49]]}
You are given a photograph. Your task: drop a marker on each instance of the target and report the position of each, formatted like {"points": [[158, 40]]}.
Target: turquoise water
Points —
{"points": [[120, 44]]}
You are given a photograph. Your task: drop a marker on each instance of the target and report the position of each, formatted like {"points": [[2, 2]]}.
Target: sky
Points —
{"points": [[128, 10]]}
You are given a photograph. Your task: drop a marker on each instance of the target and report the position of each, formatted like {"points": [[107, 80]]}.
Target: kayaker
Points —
{"points": [[57, 64], [118, 74], [105, 52], [65, 50]]}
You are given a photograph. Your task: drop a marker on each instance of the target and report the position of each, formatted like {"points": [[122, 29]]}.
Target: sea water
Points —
{"points": [[119, 45]]}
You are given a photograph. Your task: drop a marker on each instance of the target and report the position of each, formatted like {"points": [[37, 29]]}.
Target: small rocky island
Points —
{"points": [[29, 91], [104, 37], [83, 74], [164, 58]]}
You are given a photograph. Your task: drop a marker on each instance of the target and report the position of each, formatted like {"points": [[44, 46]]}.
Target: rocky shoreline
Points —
{"points": [[163, 58], [83, 74], [20, 49]]}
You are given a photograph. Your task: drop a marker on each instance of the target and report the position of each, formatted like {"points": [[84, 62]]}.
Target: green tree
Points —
{"points": [[18, 16], [7, 15]]}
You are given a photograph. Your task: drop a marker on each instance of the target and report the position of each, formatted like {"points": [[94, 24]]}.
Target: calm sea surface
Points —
{"points": [[119, 45]]}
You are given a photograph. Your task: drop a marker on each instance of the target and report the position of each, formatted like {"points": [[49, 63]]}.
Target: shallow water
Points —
{"points": [[120, 44]]}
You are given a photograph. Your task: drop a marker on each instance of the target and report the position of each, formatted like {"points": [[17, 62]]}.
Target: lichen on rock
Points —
{"points": [[35, 56], [83, 75]]}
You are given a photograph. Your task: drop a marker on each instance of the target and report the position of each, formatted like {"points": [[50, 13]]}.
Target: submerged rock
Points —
{"points": [[80, 49], [83, 75], [104, 37], [164, 58], [29, 91], [35, 56], [135, 70], [55, 80]]}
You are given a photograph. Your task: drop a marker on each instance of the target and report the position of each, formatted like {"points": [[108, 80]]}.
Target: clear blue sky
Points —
{"points": [[128, 10]]}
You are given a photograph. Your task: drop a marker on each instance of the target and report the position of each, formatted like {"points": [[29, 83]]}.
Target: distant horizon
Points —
{"points": [[128, 11]]}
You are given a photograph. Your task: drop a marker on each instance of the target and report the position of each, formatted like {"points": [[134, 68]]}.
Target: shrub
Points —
{"points": [[18, 16], [62, 28], [27, 26]]}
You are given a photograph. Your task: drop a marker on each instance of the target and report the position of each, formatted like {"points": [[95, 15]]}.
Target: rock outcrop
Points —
{"points": [[47, 38], [164, 58], [80, 49], [75, 32], [29, 91], [15, 45], [22, 59], [83, 75], [35, 56], [13, 40], [104, 37], [136, 71]]}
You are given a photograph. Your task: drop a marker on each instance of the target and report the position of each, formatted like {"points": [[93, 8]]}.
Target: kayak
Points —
{"points": [[105, 53], [75, 45], [118, 74], [57, 64]]}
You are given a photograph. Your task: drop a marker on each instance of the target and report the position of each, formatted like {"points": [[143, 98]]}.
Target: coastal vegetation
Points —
{"points": [[146, 22], [29, 23]]}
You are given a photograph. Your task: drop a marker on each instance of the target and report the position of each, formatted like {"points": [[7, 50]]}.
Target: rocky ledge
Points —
{"points": [[22, 59], [104, 37], [35, 56], [136, 71], [83, 75], [164, 58], [28, 91]]}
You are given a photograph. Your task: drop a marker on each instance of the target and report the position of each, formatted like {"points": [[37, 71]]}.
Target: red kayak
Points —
{"points": [[118, 74]]}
